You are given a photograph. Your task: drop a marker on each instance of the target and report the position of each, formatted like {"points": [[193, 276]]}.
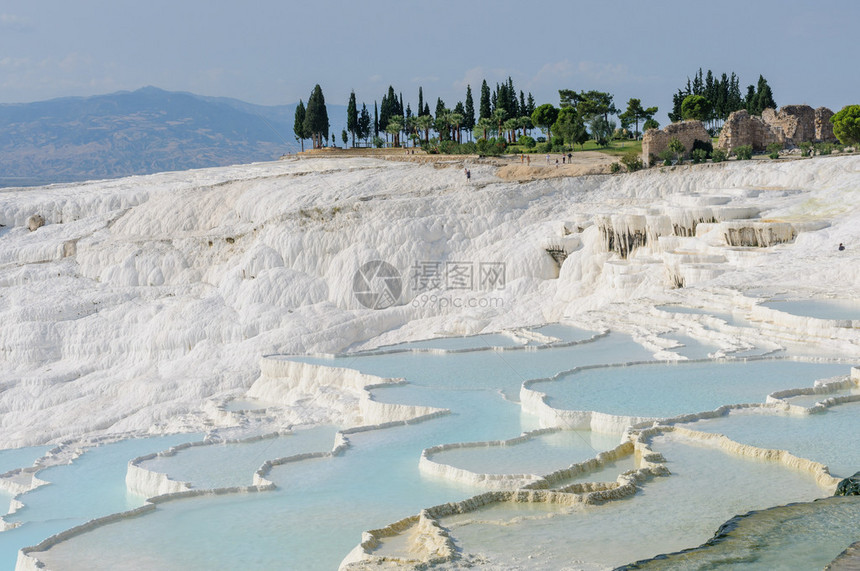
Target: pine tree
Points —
{"points": [[530, 103], [352, 117], [299, 124], [485, 111]]}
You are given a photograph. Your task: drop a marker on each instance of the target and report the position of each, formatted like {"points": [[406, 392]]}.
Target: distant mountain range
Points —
{"points": [[140, 132]]}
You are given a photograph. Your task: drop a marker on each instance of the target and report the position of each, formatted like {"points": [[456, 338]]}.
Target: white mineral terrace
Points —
{"points": [[145, 306]]}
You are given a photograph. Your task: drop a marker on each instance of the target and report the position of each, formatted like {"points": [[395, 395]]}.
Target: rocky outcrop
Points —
{"points": [[35, 222], [849, 486], [656, 140], [741, 129], [791, 125]]}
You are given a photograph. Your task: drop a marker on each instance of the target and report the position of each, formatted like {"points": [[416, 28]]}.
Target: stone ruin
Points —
{"points": [[790, 126], [823, 126], [656, 141]]}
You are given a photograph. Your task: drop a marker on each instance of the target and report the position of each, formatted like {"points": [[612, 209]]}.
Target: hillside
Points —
{"points": [[141, 132]]}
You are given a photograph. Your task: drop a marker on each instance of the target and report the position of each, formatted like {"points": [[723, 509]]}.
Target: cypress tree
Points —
{"points": [[420, 101], [384, 112], [364, 123], [375, 120], [749, 100], [469, 110], [299, 124], [512, 107], [764, 96], [484, 112], [352, 117], [530, 102], [316, 117]]}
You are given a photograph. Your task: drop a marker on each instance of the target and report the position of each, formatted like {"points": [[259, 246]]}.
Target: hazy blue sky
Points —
{"points": [[274, 51]]}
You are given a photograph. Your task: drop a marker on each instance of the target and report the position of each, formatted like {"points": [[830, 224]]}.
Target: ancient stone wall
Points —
{"points": [[741, 129], [797, 122], [823, 126], [791, 125], [656, 140]]}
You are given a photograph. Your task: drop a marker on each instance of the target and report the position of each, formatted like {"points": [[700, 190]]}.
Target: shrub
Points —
{"points": [[773, 150], [706, 146], [743, 153], [543, 147], [492, 147], [666, 156], [615, 168], [719, 155], [541, 139], [824, 148], [527, 142], [448, 147], [678, 148], [699, 156], [632, 161], [805, 148]]}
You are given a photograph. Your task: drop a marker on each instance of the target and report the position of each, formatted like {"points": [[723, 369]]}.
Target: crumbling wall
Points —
{"points": [[791, 125], [823, 126], [741, 129], [796, 121], [656, 141]]}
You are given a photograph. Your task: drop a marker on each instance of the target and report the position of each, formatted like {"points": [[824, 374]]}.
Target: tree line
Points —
{"points": [[711, 99], [506, 116]]}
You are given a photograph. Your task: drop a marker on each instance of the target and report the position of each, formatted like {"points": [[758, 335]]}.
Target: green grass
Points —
{"points": [[616, 148]]}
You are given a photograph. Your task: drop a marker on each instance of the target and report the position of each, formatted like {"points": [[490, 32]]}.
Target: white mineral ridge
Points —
{"points": [[142, 297]]}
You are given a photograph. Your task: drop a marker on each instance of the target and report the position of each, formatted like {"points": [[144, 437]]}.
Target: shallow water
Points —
{"points": [[707, 487], [690, 347], [234, 463], [800, 536], [497, 371], [321, 506], [540, 455], [92, 486], [663, 390], [811, 400], [20, 457], [828, 437], [818, 308]]}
